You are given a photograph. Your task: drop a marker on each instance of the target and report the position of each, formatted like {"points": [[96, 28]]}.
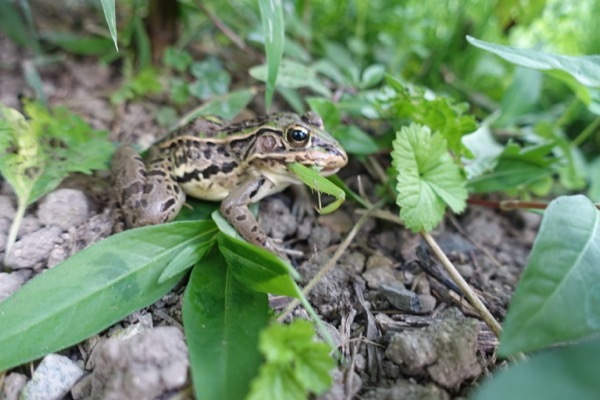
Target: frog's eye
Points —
{"points": [[297, 136]]}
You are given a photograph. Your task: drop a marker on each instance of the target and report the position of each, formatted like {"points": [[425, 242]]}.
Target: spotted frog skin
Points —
{"points": [[235, 163]]}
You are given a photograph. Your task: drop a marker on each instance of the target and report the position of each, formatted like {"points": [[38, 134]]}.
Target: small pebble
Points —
{"points": [[52, 379], [407, 300], [13, 384], [10, 283], [33, 248], [64, 208]]}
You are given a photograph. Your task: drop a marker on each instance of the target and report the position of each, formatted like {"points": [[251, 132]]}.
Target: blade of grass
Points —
{"points": [[271, 14]]}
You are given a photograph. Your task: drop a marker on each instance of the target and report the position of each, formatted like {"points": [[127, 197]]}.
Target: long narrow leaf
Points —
{"points": [[92, 290], [111, 19], [271, 15], [222, 321]]}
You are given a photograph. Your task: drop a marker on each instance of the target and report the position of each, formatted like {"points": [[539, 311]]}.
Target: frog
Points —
{"points": [[236, 163]]}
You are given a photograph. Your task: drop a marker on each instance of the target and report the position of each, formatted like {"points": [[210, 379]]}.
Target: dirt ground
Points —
{"points": [[403, 326]]}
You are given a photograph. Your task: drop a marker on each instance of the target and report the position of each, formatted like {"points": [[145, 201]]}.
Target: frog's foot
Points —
{"points": [[303, 206], [275, 247]]}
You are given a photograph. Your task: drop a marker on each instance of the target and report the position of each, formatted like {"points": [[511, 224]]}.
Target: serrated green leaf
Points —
{"points": [[556, 374], [558, 295], [257, 268], [111, 19], [222, 321], [91, 290], [271, 15], [427, 178], [295, 365]]}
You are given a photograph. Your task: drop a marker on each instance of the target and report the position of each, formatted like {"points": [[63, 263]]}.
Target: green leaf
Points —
{"points": [[222, 320], [78, 44], [312, 179], [16, 27], [558, 295], [226, 107], [271, 15], [438, 113], [581, 74], [111, 19], [516, 168], [585, 69], [372, 75], [177, 59], [522, 96], [92, 290], [293, 75], [567, 372], [594, 189], [257, 268], [211, 79], [295, 363], [427, 178], [197, 251]]}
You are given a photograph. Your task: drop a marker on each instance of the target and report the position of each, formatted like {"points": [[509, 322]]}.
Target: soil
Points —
{"points": [[403, 327]]}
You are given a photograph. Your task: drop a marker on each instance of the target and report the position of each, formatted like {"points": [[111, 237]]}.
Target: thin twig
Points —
{"points": [[462, 284]]}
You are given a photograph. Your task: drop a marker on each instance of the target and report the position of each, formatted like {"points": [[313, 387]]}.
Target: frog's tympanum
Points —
{"points": [[236, 163]]}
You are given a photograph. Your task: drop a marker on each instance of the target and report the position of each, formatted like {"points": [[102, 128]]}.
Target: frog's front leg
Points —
{"points": [[146, 192], [235, 209]]}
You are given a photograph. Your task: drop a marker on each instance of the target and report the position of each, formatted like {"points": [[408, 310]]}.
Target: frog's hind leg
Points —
{"points": [[148, 195]]}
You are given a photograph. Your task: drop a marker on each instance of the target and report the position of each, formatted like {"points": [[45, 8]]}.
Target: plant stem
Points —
{"points": [[14, 229], [587, 132]]}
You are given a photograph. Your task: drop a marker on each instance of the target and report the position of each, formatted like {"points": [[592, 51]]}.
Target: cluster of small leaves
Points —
{"points": [[141, 84], [295, 366], [438, 113]]}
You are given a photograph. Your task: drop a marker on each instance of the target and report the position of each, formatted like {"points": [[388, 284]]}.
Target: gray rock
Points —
{"points": [[407, 390], [9, 283], [141, 367], [63, 208], [341, 386], [377, 276], [353, 262], [13, 384], [446, 350], [29, 224], [7, 210], [407, 300], [52, 379], [33, 248]]}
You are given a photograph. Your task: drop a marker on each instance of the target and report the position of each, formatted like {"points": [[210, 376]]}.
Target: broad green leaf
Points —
{"points": [[586, 69], [256, 268], [521, 97], [226, 107], [295, 76], [92, 290], [295, 365], [111, 19], [516, 168], [178, 59], [581, 74], [564, 373], [222, 320], [372, 75], [594, 189], [312, 179], [271, 14], [558, 295], [197, 250], [427, 178]]}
